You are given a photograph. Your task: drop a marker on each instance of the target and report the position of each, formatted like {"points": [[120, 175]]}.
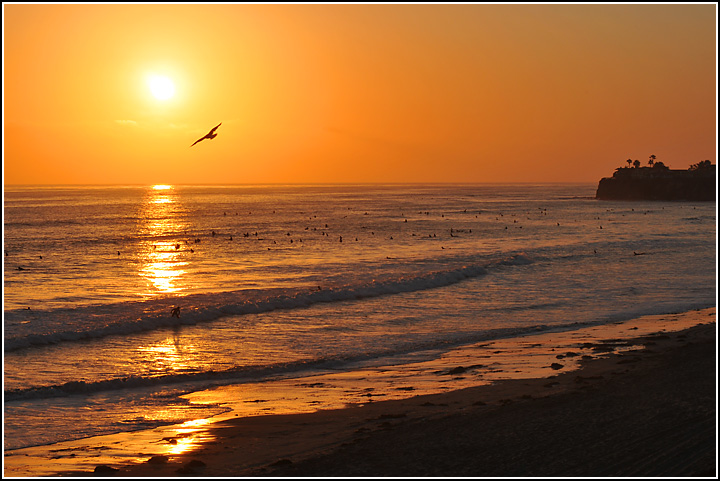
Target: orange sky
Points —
{"points": [[355, 93]]}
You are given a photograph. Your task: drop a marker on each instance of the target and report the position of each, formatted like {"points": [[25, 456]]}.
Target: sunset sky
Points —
{"points": [[354, 93]]}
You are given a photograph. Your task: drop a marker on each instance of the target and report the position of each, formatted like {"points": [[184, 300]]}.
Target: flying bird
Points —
{"points": [[209, 135]]}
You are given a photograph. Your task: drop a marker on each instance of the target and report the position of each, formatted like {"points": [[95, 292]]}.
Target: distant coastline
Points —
{"points": [[658, 182]]}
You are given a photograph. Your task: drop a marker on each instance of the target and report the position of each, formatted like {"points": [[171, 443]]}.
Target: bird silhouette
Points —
{"points": [[209, 135]]}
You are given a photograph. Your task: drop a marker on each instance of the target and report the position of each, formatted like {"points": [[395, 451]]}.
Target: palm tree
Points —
{"points": [[629, 161], [651, 161], [636, 163]]}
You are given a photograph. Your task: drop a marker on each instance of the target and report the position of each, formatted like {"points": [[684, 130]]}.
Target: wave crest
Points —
{"points": [[138, 316]]}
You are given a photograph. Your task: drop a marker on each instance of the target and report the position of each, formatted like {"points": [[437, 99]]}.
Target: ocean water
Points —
{"points": [[281, 281]]}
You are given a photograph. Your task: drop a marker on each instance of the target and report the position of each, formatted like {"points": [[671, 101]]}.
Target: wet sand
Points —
{"points": [[628, 399]]}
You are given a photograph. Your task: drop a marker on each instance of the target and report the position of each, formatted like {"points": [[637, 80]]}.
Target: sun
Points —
{"points": [[161, 87]]}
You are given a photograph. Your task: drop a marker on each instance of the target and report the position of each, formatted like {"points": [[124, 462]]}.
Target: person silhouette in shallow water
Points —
{"points": [[175, 312]]}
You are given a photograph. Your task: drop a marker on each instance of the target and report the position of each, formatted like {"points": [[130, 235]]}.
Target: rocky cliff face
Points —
{"points": [[659, 184]]}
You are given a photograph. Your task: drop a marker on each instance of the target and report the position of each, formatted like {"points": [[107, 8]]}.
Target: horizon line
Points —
{"points": [[139, 184]]}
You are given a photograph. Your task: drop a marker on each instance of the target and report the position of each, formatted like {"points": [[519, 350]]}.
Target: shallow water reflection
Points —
{"points": [[189, 436], [168, 356]]}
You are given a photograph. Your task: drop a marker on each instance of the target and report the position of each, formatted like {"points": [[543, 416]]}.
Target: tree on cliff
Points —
{"points": [[636, 163], [705, 164], [651, 160], [629, 161]]}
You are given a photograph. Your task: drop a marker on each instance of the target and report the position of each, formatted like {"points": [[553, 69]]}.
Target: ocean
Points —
{"points": [[118, 300]]}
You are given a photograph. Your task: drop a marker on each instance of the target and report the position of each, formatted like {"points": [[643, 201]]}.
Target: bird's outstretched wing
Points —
{"points": [[209, 135]]}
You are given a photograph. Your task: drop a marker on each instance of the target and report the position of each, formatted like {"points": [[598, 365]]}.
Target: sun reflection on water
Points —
{"points": [[162, 255], [169, 355], [190, 435]]}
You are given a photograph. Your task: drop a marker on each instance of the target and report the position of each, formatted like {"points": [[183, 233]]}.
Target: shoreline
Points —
{"points": [[488, 388]]}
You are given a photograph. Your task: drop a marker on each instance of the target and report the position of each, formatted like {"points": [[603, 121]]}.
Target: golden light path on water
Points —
{"points": [[161, 259], [162, 265]]}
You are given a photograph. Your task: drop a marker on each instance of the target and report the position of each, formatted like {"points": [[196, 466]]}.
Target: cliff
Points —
{"points": [[651, 183]]}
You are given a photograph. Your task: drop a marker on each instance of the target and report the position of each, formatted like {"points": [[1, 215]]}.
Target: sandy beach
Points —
{"points": [[640, 405]]}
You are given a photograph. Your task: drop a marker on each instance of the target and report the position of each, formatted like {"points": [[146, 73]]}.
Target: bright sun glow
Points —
{"points": [[161, 87]]}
